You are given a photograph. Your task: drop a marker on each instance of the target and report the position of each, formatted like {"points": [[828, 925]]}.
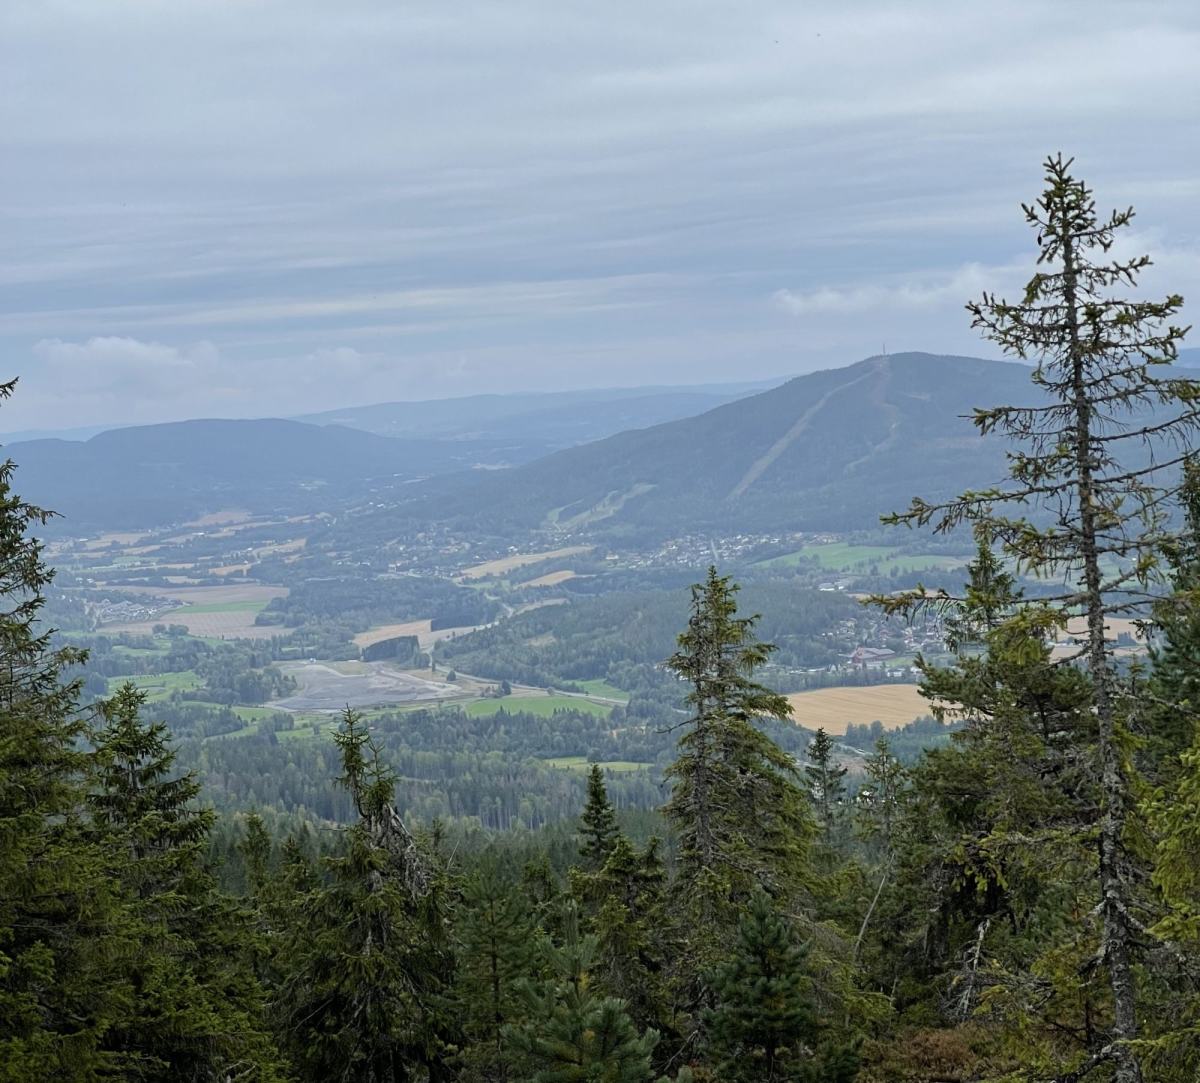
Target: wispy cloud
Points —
{"points": [[533, 196]]}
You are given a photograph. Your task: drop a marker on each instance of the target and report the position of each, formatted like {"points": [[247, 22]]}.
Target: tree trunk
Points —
{"points": [[1116, 931]]}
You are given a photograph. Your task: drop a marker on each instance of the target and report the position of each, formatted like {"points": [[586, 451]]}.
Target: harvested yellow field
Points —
{"points": [[519, 560], [422, 629], [118, 538], [390, 631], [833, 709], [1113, 627], [551, 580]]}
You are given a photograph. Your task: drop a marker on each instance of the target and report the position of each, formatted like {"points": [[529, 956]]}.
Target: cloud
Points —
{"points": [[920, 294], [534, 196], [107, 361]]}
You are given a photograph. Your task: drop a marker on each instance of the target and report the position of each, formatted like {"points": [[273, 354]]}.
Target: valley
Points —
{"points": [[257, 621]]}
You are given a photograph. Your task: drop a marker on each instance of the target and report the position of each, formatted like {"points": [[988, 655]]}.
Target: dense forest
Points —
{"points": [[1019, 903]]}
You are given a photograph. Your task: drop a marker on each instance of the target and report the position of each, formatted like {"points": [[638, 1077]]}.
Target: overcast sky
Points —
{"points": [[246, 207]]}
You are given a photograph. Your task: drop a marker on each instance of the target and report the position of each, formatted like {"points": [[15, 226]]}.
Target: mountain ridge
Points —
{"points": [[833, 448]]}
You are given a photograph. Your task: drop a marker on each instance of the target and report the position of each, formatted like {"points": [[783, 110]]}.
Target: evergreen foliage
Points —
{"points": [[63, 936], [498, 947], [599, 827], [739, 816], [572, 1034], [826, 781], [368, 943], [197, 1008], [764, 1022], [1094, 474]]}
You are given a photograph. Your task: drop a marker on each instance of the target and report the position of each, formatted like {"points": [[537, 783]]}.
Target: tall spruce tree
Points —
{"points": [[826, 783], [992, 848], [1094, 474], [367, 950], [739, 815], [599, 823], [64, 933]]}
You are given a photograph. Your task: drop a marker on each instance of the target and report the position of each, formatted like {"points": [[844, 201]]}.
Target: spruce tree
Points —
{"points": [[367, 952], [498, 948], [1093, 477], [763, 1025], [255, 851], [631, 931], [572, 1035], [740, 817], [197, 1008], [826, 782], [1174, 686], [599, 826], [877, 804], [990, 846], [64, 932]]}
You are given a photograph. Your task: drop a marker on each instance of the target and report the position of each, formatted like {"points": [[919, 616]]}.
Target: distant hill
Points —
{"points": [[831, 449], [551, 420], [155, 475]]}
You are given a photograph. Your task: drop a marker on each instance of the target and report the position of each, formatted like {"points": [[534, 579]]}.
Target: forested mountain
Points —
{"points": [[825, 450], [151, 475]]}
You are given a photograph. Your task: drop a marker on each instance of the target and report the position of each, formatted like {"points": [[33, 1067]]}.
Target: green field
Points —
{"points": [[158, 685], [140, 652], [255, 714], [603, 689], [539, 705], [580, 763], [844, 557]]}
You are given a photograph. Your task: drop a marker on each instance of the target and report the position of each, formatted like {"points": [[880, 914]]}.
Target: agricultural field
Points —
{"points": [[833, 709], [221, 612], [845, 557], [550, 579], [520, 560], [544, 705], [581, 763], [422, 629], [601, 689], [158, 686]]}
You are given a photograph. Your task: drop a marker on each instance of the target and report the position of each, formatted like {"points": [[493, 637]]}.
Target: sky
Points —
{"points": [[255, 208]]}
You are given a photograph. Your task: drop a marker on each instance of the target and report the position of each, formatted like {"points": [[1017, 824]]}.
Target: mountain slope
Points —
{"points": [[831, 449], [153, 475]]}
